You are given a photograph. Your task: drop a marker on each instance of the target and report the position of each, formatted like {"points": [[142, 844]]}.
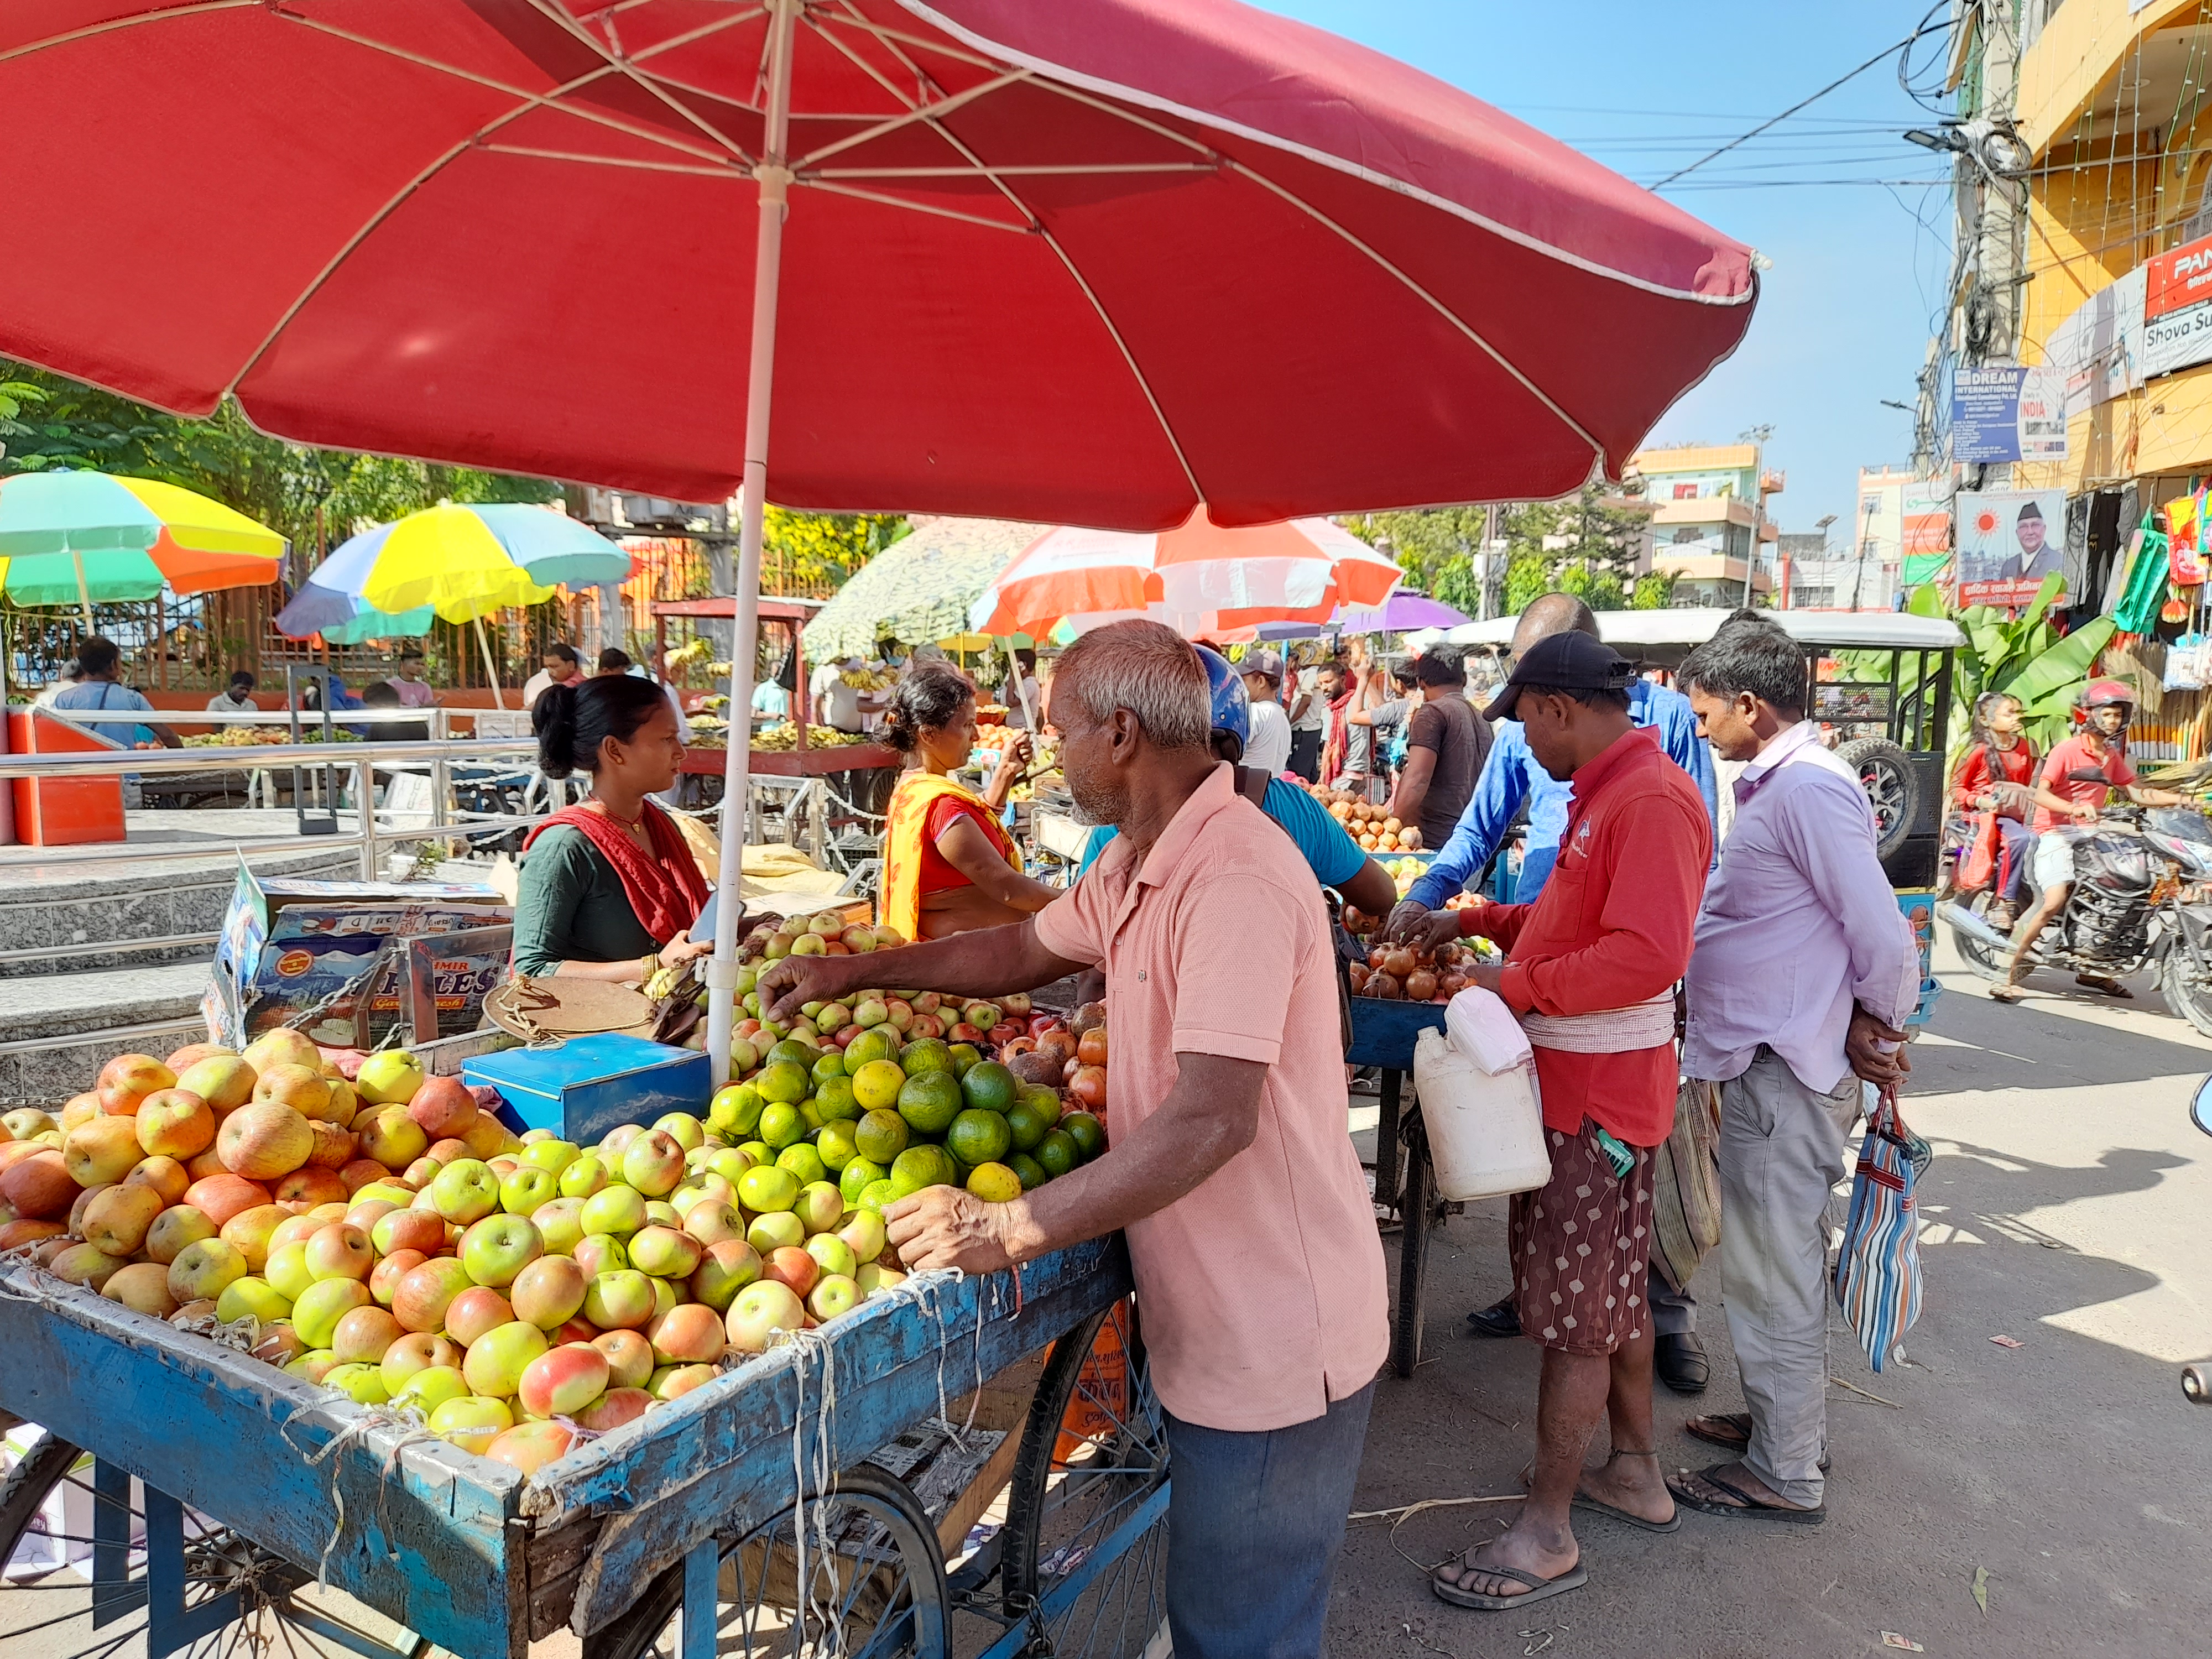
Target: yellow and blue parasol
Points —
{"points": [[86, 538]]}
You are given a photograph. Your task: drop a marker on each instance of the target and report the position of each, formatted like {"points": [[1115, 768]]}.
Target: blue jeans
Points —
{"points": [[1255, 1523], [2019, 844]]}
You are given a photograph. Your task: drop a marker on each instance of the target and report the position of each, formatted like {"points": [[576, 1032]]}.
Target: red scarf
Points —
{"points": [[1339, 740], [667, 890]]}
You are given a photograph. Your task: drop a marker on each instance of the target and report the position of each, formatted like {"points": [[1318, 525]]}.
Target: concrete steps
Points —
{"points": [[57, 1030]]}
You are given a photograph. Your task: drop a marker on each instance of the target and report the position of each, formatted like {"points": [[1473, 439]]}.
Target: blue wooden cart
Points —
{"points": [[805, 1501]]}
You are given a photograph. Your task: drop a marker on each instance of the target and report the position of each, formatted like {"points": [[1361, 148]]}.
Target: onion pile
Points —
{"points": [[1370, 825]]}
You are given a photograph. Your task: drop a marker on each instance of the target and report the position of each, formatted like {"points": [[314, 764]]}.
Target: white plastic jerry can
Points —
{"points": [[1486, 1129]]}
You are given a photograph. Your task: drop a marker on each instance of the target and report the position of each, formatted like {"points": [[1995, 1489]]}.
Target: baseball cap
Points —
{"points": [[1571, 661], [1262, 662]]}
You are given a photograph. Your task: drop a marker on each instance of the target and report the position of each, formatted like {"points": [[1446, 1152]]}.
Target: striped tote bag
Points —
{"points": [[1878, 1269]]}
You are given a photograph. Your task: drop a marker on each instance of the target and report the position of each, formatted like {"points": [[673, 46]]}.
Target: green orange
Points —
{"points": [[881, 1136], [1044, 1100], [783, 1080], [1030, 1171], [836, 1145], [877, 1194], [1025, 1126], [989, 1086], [1088, 1134], [919, 1167], [929, 1102], [994, 1183], [857, 1175], [964, 1055], [831, 1065], [1057, 1153], [791, 1049], [781, 1126], [876, 1085], [979, 1137], [925, 1054], [836, 1100], [804, 1162], [880, 1042]]}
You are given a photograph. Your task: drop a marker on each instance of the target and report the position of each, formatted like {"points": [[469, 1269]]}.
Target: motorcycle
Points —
{"points": [[2141, 897]]}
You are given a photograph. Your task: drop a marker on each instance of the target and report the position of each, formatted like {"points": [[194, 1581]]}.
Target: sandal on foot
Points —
{"points": [[1573, 1578], [2111, 987], [1747, 1508], [1583, 1500], [2007, 994], [1738, 1441]]}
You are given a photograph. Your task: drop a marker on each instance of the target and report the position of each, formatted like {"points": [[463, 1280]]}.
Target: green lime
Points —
{"points": [[804, 1162], [831, 1065], [979, 1137], [1030, 1171], [964, 1055], [781, 1126], [854, 1177], [783, 1080], [876, 1195], [881, 1136], [989, 1086], [792, 1049], [1025, 1126], [836, 1145], [876, 1085], [930, 1103], [917, 1167], [925, 1054], [1088, 1134], [1042, 1099], [836, 1101], [994, 1183], [880, 1042], [1057, 1153]]}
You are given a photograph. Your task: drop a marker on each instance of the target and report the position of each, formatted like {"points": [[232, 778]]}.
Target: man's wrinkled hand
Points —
{"points": [[790, 984], [1868, 1061], [1488, 975], [1408, 922], [947, 1227]]}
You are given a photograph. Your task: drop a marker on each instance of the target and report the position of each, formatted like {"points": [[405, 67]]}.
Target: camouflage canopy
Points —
{"points": [[918, 590]]}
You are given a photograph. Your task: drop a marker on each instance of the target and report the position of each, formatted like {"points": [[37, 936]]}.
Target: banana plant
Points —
{"points": [[2023, 655]]}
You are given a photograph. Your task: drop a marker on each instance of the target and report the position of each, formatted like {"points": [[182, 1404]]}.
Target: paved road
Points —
{"points": [[2068, 1207]]}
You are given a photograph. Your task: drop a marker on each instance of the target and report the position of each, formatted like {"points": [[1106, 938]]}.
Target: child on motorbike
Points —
{"points": [[1997, 775], [2076, 781]]}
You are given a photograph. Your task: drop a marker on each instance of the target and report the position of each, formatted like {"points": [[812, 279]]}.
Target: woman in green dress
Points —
{"points": [[609, 888]]}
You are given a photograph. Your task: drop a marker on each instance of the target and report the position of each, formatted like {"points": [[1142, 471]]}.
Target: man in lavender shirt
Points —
{"points": [[1802, 976]]}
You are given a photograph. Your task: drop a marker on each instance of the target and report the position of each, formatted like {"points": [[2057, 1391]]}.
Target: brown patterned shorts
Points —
{"points": [[1582, 1247]]}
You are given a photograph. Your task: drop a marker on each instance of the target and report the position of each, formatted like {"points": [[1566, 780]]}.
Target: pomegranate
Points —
{"points": [[1091, 1050], [1384, 986], [1399, 963], [1420, 986], [1088, 1084]]}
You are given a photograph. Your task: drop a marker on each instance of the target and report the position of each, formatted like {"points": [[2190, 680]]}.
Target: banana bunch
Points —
{"points": [[695, 650], [718, 700], [784, 737], [865, 679], [721, 670], [665, 982]]}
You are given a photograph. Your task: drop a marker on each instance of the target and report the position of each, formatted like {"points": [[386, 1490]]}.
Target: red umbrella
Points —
{"points": [[1094, 261]]}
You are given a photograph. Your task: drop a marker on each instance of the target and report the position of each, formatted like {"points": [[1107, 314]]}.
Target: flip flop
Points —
{"points": [[2111, 987], [1612, 1514], [2007, 994], [1741, 1421], [1539, 1588], [1749, 1509]]}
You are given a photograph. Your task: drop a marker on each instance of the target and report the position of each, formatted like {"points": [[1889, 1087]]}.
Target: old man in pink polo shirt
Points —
{"points": [[1259, 1275]]}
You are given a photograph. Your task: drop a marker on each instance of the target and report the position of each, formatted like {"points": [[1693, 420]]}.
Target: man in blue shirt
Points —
{"points": [[1509, 776], [1333, 855]]}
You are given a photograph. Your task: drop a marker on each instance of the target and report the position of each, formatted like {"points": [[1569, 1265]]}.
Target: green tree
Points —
{"points": [[48, 423], [828, 547], [1655, 591]]}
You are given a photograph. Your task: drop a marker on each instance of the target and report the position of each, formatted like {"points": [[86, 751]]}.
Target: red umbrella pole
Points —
{"points": [[774, 176]]}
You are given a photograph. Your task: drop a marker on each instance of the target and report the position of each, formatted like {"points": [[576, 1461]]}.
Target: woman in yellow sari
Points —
{"points": [[949, 865]]}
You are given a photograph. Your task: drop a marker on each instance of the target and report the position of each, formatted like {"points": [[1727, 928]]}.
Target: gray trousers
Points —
{"points": [[1780, 1151], [1673, 1313]]}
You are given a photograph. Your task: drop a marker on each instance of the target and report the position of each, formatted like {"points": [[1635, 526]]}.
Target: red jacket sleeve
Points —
{"points": [[1973, 777]]}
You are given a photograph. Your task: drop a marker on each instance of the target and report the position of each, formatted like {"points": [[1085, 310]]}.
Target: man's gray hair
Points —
{"points": [[1146, 668]]}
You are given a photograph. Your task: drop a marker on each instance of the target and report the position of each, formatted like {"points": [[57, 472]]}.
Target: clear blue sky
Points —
{"points": [[1842, 318]]}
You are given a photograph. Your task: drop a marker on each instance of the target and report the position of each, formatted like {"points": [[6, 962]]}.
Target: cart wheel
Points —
{"points": [[1085, 1558], [2196, 1384], [878, 1591], [98, 1610], [1418, 1213]]}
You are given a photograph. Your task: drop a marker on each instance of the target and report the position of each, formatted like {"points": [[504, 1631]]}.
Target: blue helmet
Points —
{"points": [[1231, 707]]}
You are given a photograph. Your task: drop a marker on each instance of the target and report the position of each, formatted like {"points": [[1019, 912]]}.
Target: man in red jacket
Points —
{"points": [[1590, 969]]}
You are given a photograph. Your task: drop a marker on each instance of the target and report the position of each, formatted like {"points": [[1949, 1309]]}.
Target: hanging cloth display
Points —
{"points": [[2137, 611], [2185, 517]]}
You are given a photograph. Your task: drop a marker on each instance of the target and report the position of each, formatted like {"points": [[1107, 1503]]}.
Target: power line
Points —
{"points": [[1886, 53]]}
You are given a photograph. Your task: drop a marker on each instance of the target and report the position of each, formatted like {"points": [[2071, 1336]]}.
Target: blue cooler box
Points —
{"points": [[586, 1085]]}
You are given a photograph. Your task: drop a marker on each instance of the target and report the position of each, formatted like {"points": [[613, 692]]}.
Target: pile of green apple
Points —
{"points": [[393, 1241]]}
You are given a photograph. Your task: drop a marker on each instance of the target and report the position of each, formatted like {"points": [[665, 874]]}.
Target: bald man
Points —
{"points": [[1511, 776]]}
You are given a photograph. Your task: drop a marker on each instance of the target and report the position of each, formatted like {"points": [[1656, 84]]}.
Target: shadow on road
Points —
{"points": [[2071, 1052]]}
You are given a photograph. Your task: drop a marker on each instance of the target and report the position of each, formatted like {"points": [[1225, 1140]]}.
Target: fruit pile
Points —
{"points": [[1406, 973], [784, 737], [390, 1239], [869, 679], [1370, 825], [246, 737], [893, 1090]]}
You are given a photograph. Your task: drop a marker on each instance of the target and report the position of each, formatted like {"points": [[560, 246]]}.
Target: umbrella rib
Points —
{"points": [[726, 170], [549, 99], [619, 61], [882, 199], [109, 25], [386, 212], [1423, 293], [916, 113], [1042, 170], [1128, 357], [895, 38]]}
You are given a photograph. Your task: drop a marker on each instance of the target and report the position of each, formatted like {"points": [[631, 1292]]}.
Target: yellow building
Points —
{"points": [[2115, 104], [1709, 523]]}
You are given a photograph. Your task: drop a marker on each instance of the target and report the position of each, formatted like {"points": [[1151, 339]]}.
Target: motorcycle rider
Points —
{"points": [[2077, 778]]}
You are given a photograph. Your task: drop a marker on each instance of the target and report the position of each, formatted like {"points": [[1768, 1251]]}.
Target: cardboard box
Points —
{"points": [[286, 946], [583, 1086]]}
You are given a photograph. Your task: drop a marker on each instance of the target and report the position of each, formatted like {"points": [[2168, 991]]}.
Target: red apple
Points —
{"points": [[416, 1350], [793, 1268], [629, 1358], [443, 1106], [550, 1292], [424, 1293], [477, 1312], [529, 1447], [563, 1380], [614, 1408], [494, 1362], [689, 1334], [384, 1278]]}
